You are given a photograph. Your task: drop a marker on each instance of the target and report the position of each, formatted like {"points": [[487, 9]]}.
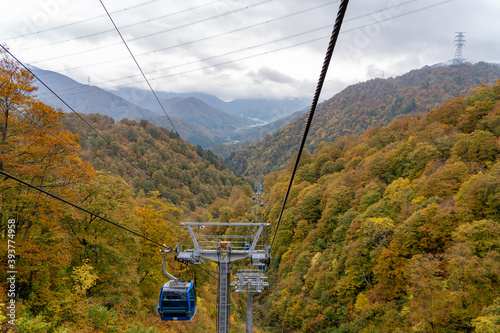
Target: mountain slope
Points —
{"points": [[84, 98], [167, 159], [360, 106], [396, 230], [198, 122]]}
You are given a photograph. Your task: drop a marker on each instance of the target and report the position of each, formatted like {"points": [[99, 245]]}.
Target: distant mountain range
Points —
{"points": [[267, 110], [199, 118]]}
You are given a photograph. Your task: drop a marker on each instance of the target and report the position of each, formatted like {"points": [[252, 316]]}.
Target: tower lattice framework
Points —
{"points": [[459, 42]]}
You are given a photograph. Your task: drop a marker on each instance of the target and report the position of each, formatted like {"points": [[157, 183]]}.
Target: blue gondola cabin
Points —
{"points": [[177, 300]]}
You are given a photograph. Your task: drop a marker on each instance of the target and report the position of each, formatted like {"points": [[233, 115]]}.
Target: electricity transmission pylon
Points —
{"points": [[459, 42]]}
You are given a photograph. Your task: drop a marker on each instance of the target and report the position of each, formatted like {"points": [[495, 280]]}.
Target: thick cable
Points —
{"points": [[83, 209], [322, 77], [138, 66]]}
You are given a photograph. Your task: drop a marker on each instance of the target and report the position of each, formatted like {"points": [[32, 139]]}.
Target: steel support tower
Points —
{"points": [[224, 292], [224, 249], [249, 281], [459, 42]]}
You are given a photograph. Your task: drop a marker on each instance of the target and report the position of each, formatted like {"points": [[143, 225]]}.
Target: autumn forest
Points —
{"points": [[392, 224]]}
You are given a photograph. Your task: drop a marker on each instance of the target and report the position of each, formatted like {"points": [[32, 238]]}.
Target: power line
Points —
{"points": [[286, 47], [213, 36], [272, 42], [229, 53], [256, 46], [483, 47], [138, 66], [322, 77], [285, 38], [202, 20], [278, 49], [78, 22], [149, 35], [106, 31], [93, 215]]}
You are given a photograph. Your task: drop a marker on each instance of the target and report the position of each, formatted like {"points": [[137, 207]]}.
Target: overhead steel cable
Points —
{"points": [[94, 215], [170, 14], [282, 48], [111, 30], [322, 77], [138, 66], [247, 27], [274, 41], [224, 55], [83, 119], [247, 48], [214, 36]]}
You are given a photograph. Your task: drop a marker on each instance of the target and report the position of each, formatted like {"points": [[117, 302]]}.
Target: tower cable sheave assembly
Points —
{"points": [[322, 77]]}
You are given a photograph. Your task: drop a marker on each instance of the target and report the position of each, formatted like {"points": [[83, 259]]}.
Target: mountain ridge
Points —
{"points": [[267, 110], [361, 106]]}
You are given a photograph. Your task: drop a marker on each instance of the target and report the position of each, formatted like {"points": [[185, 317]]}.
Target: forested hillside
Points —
{"points": [[395, 230], [74, 272], [187, 176], [361, 106]]}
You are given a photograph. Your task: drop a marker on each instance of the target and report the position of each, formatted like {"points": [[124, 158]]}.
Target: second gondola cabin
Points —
{"points": [[177, 300]]}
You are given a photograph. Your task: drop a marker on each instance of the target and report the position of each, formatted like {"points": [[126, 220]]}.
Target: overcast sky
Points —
{"points": [[241, 49]]}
